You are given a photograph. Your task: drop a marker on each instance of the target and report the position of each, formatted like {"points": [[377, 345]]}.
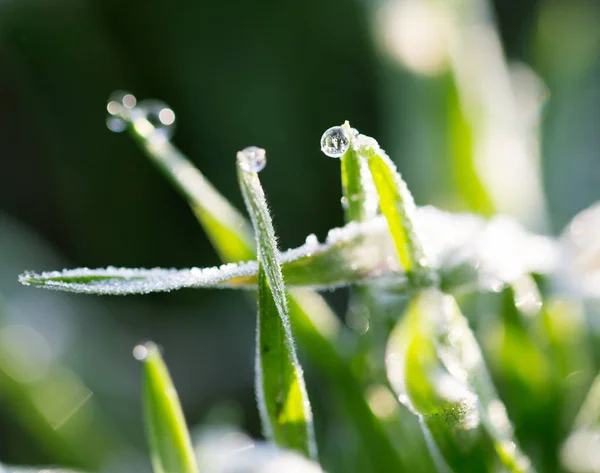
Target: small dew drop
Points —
{"points": [[140, 352], [159, 115], [116, 124], [119, 106], [311, 240], [252, 159], [120, 101], [335, 142]]}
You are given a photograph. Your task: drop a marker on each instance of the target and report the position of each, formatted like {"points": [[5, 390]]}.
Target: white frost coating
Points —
{"points": [[354, 230], [581, 253], [371, 204], [225, 450], [499, 250], [139, 281]]}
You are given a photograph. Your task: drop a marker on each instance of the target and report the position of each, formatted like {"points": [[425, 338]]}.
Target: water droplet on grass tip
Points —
{"points": [[120, 100], [252, 159], [335, 141], [115, 124], [119, 106], [159, 115], [141, 352]]}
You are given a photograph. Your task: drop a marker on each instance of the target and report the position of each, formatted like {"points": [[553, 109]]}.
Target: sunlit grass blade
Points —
{"points": [[397, 205], [537, 354], [435, 367], [462, 150], [226, 228], [171, 449], [359, 197], [349, 255], [467, 251], [281, 394]]}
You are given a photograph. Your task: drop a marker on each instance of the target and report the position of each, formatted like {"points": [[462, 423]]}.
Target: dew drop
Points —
{"points": [[311, 240], [140, 352], [115, 124], [335, 142], [119, 106], [120, 101], [252, 159], [159, 115]]}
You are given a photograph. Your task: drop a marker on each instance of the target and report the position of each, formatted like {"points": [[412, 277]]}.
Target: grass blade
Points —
{"points": [[349, 255], [281, 394], [436, 368], [170, 444], [227, 229], [359, 197], [467, 251], [398, 207]]}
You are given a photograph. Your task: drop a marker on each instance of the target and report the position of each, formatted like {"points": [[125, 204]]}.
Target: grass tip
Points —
{"points": [[143, 351]]}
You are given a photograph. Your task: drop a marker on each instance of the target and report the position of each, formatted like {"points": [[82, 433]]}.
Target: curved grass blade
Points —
{"points": [[171, 448], [359, 196], [398, 207], [281, 394], [435, 367], [468, 252], [227, 229], [349, 255]]}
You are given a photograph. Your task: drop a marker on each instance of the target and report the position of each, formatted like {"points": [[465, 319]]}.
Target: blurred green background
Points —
{"points": [[272, 74]]}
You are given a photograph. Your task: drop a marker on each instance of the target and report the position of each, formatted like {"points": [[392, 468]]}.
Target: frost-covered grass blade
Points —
{"points": [[467, 251], [281, 394], [397, 204], [435, 366], [171, 448]]}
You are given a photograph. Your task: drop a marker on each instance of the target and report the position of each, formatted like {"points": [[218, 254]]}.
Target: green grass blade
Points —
{"points": [[356, 182], [281, 394], [349, 255], [436, 368], [226, 228], [467, 251], [398, 207], [307, 311], [171, 448]]}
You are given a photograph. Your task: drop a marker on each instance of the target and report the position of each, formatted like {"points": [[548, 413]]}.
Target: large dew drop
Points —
{"points": [[119, 106], [158, 115], [335, 141], [252, 159]]}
